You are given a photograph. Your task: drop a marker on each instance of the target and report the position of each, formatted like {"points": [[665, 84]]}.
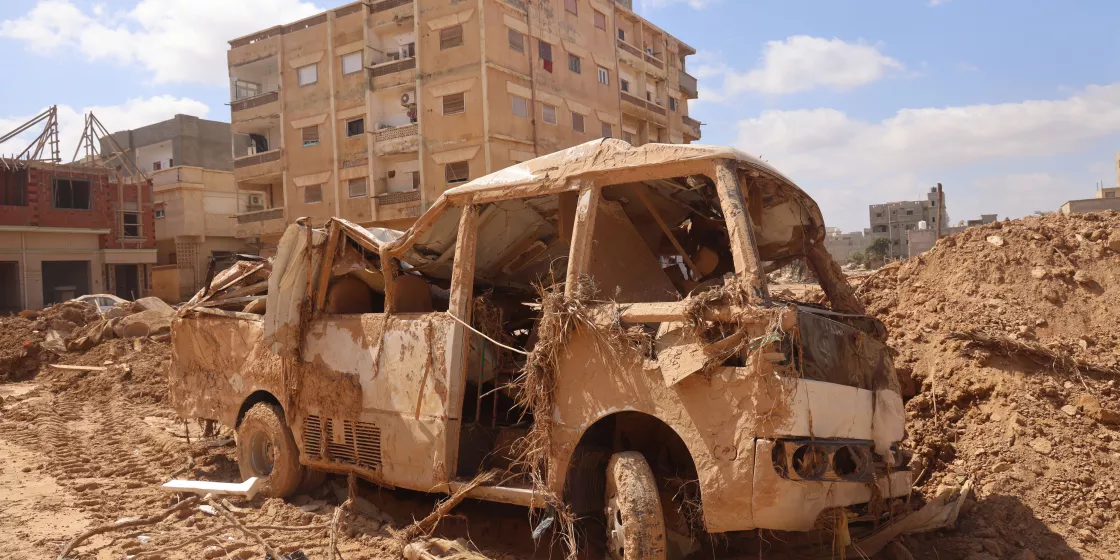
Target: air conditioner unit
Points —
{"points": [[408, 98]]}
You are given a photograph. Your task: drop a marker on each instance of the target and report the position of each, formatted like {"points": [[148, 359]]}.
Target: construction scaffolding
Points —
{"points": [[43, 148]]}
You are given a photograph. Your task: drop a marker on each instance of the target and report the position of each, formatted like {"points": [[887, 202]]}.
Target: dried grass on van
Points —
{"points": [[560, 317]]}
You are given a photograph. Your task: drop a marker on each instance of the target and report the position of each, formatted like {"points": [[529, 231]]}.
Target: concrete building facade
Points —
{"points": [[190, 165], [894, 219], [71, 230], [371, 110], [843, 245]]}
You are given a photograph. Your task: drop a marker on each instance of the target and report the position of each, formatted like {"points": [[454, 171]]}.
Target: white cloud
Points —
{"points": [[133, 113], [935, 3], [174, 40], [862, 162], [967, 67], [802, 63]]}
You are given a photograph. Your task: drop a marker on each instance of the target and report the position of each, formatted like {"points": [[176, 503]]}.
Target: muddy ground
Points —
{"points": [[1039, 438]]}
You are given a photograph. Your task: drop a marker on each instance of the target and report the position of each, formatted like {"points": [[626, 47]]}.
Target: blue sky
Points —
{"points": [[1013, 106]]}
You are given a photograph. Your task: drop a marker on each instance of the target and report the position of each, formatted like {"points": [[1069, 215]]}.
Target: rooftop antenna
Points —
{"points": [[47, 141]]}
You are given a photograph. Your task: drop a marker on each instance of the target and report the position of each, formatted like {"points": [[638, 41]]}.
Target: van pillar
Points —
{"points": [[579, 256], [744, 250], [460, 304]]}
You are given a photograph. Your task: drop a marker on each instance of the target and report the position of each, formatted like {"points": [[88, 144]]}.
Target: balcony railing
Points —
{"points": [[629, 48], [386, 68], [631, 99], [257, 159], [688, 84], [655, 61], [255, 101], [383, 5], [657, 109], [692, 124], [260, 216], [398, 197], [396, 132]]}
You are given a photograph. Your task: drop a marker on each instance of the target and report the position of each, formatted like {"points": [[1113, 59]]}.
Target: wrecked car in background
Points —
{"points": [[595, 323]]}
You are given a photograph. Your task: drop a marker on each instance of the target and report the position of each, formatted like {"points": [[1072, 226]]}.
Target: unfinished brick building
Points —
{"points": [[71, 229]]}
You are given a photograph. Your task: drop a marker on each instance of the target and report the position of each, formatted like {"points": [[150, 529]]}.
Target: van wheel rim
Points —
{"points": [[260, 454], [616, 530]]}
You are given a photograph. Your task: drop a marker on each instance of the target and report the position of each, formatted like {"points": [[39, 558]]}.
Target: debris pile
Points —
{"points": [[35, 337], [1009, 354]]}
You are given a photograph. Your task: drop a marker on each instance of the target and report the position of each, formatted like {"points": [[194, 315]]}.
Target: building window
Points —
{"points": [[1110, 195], [71, 194], [407, 50], [604, 76], [574, 63], [356, 127], [356, 187], [577, 122], [310, 136], [242, 90], [450, 37], [156, 165], [622, 34], [600, 20], [454, 104], [878, 214], [545, 51], [131, 221], [548, 113], [909, 212], [673, 104], [608, 130], [308, 74], [160, 213], [516, 41], [457, 172], [624, 84], [520, 106], [415, 180], [313, 194], [572, 6], [352, 62], [628, 137]]}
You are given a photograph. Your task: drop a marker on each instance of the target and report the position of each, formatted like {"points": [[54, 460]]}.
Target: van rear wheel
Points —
{"points": [[635, 522], [267, 450]]}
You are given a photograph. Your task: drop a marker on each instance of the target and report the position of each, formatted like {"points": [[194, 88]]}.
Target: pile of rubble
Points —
{"points": [[36, 337], [1009, 355]]}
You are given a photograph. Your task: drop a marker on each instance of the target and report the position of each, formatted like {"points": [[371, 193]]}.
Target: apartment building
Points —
{"points": [[371, 110], [894, 219], [190, 164], [68, 230], [923, 239], [1107, 198], [843, 245]]}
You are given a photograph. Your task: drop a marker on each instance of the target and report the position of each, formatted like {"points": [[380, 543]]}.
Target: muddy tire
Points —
{"points": [[635, 522], [312, 479], [266, 449]]}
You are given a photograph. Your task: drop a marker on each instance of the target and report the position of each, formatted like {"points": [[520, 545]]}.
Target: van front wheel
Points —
{"points": [[267, 450], [635, 522]]}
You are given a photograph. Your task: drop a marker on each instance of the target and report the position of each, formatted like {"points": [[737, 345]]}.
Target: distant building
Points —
{"points": [[894, 220], [922, 239], [843, 245], [1106, 199], [190, 163]]}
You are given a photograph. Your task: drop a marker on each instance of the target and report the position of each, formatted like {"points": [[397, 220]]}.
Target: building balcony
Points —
{"points": [[630, 54], [688, 84], [633, 100], [397, 205], [397, 140], [691, 127], [258, 165], [389, 12], [394, 73], [257, 106], [260, 223]]}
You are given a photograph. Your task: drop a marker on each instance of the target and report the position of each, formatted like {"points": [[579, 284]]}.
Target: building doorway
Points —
{"points": [[9, 287], [126, 281], [64, 281]]}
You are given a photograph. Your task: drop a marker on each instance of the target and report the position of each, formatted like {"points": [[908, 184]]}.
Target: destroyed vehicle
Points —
{"points": [[594, 323]]}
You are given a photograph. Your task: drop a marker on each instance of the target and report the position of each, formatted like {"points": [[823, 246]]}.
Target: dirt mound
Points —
{"points": [[1009, 354], [22, 337]]}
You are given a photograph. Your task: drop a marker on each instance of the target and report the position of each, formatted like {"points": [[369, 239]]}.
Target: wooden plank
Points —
{"points": [[248, 488], [228, 314], [639, 191], [251, 289], [79, 368], [579, 258], [231, 301], [462, 274]]}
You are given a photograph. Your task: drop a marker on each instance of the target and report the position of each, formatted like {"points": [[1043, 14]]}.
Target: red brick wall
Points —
{"points": [[40, 210]]}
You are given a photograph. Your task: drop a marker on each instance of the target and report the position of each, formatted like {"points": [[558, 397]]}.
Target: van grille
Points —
{"points": [[360, 445]]}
